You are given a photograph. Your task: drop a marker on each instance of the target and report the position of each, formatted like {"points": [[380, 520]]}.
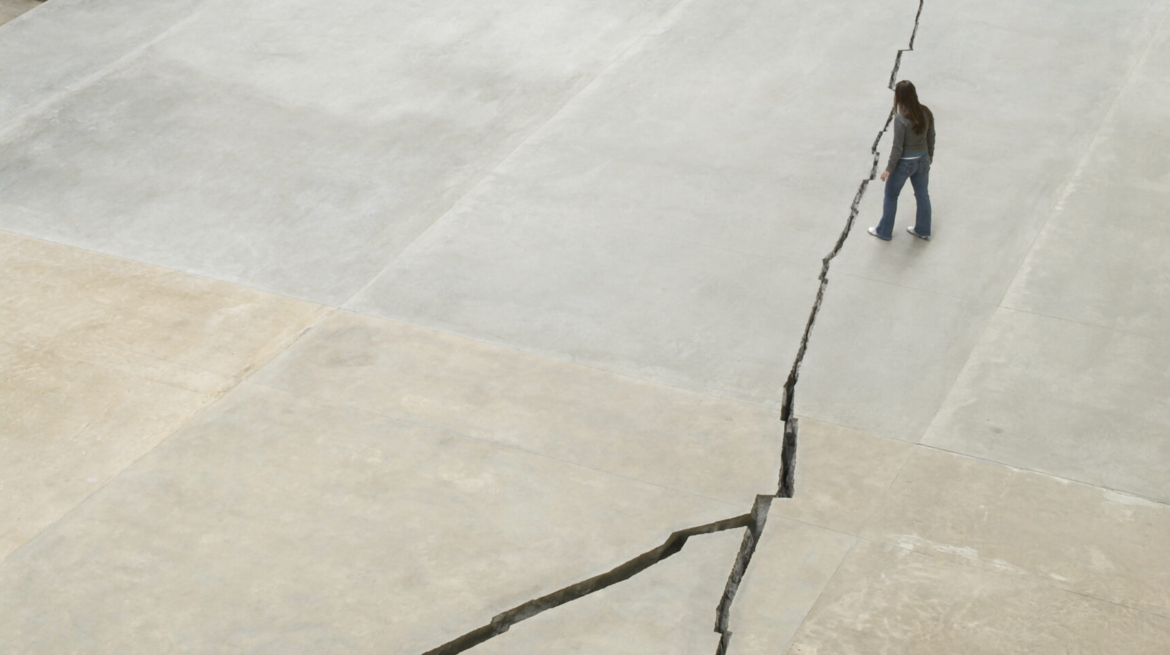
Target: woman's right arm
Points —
{"points": [[930, 138]]}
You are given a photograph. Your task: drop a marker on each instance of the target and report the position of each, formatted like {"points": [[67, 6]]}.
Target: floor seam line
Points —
{"points": [[499, 444], [560, 360], [975, 563], [1046, 474], [191, 419], [490, 172]]}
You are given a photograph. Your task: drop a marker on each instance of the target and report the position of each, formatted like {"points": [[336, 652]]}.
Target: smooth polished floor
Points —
{"points": [[345, 327]]}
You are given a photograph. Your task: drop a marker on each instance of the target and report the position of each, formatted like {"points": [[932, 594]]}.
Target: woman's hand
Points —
{"points": [[885, 175]]}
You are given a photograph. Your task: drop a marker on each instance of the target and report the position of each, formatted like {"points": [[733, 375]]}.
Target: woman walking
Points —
{"points": [[911, 155]]}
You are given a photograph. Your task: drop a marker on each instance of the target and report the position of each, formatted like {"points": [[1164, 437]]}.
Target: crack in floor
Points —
{"points": [[754, 521], [787, 483], [673, 544]]}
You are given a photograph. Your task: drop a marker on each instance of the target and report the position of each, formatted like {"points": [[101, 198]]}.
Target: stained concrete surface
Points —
{"points": [[575, 247], [10, 9], [102, 359], [886, 599], [1086, 539]]}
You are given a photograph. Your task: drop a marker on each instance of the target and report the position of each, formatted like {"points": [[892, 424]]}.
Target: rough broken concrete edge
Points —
{"points": [[673, 544], [787, 482], [755, 520]]}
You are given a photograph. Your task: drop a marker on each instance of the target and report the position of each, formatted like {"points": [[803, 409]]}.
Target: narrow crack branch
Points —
{"points": [[673, 544], [747, 548]]}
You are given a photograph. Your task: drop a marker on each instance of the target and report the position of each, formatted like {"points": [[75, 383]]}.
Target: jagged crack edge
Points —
{"points": [[787, 407], [755, 520], [787, 482], [747, 547], [673, 544]]}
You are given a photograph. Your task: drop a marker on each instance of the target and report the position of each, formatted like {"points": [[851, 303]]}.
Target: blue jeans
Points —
{"points": [[918, 172]]}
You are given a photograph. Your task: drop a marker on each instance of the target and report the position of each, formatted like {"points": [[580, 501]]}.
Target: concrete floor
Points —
{"points": [[10, 9], [343, 328]]}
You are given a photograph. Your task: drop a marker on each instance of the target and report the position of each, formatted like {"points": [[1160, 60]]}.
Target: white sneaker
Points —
{"points": [[873, 231], [911, 231]]}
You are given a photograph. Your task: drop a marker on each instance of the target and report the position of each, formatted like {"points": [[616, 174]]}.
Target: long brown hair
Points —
{"points": [[906, 100]]}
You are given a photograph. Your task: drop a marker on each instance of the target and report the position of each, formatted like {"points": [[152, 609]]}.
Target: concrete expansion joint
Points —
{"points": [[754, 521]]}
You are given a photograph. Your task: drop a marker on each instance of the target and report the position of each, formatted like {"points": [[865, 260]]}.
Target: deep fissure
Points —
{"points": [[754, 521], [787, 482], [673, 544]]}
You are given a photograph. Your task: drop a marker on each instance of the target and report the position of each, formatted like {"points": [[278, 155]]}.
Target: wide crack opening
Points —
{"points": [[755, 520]]}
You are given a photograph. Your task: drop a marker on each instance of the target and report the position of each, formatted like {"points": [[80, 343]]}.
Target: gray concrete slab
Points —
{"points": [[669, 608], [883, 357], [67, 44], [884, 370], [275, 524], [669, 311], [1081, 402], [679, 439], [1100, 258], [1019, 91], [598, 242], [1068, 386], [219, 152]]}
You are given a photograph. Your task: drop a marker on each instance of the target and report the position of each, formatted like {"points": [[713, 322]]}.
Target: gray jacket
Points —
{"points": [[907, 141]]}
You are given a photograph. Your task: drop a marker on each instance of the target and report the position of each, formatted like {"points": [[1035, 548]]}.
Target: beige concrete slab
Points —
{"points": [[102, 359], [680, 439], [1073, 400], [278, 524], [67, 427], [842, 475], [669, 608], [886, 600], [54, 296], [1086, 539], [882, 357], [791, 566]]}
